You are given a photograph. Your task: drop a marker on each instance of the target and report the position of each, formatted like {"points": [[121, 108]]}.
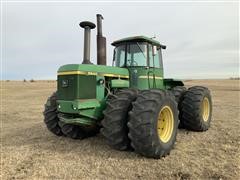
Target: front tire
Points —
{"points": [[78, 132], [51, 115], [153, 123], [115, 120], [196, 109]]}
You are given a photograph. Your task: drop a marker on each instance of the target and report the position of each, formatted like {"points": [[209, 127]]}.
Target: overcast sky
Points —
{"points": [[202, 38]]}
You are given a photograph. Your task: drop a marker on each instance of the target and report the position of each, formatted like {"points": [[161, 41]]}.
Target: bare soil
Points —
{"points": [[30, 151]]}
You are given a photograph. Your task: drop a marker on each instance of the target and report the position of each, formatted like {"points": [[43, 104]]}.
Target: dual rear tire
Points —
{"points": [[196, 109], [153, 123], [147, 122]]}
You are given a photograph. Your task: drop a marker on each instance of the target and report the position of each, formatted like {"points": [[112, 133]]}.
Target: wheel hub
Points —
{"points": [[165, 124], [205, 109]]}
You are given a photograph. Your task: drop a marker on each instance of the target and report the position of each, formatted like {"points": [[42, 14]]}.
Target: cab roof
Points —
{"points": [[139, 39]]}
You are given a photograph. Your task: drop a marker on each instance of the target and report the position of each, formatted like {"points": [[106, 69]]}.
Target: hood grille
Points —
{"points": [[71, 87]]}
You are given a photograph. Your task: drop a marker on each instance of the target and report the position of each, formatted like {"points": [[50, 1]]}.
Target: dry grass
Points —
{"points": [[29, 151]]}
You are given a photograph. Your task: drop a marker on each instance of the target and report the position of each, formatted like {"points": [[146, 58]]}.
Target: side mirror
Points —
{"points": [[114, 54], [154, 50]]}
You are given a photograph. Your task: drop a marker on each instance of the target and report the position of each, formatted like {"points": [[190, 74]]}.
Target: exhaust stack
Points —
{"points": [[101, 42], [87, 37]]}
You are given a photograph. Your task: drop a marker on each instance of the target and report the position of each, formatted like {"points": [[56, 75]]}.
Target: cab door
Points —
{"points": [[137, 64], [155, 67]]}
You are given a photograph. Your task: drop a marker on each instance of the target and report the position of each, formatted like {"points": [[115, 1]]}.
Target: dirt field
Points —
{"points": [[29, 151]]}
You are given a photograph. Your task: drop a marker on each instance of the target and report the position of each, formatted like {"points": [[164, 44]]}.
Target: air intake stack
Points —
{"points": [[101, 42], [87, 37]]}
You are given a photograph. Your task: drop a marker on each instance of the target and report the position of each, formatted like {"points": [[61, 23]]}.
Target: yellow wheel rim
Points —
{"points": [[205, 109], [165, 124]]}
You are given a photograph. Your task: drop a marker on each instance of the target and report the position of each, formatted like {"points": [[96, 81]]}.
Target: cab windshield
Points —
{"points": [[134, 54]]}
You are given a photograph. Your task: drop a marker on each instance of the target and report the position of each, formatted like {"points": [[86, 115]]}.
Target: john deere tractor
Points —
{"points": [[130, 103]]}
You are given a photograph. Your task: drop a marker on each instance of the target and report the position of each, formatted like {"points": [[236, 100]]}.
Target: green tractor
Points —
{"points": [[130, 102]]}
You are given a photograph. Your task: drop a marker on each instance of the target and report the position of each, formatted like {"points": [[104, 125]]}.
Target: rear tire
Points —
{"points": [[153, 123], [178, 92], [196, 109], [115, 120], [51, 115]]}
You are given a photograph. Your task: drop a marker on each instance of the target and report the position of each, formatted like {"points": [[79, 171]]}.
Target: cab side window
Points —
{"points": [[159, 56], [119, 56], [150, 56], [155, 60], [137, 54]]}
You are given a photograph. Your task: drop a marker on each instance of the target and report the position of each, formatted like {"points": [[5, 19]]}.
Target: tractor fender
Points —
{"points": [[170, 83]]}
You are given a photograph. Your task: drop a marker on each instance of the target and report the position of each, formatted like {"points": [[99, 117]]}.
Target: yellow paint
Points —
{"points": [[165, 124], [205, 109], [90, 74], [112, 75], [72, 72], [150, 77]]}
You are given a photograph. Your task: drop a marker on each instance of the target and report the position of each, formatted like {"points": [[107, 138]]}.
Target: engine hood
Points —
{"points": [[90, 69]]}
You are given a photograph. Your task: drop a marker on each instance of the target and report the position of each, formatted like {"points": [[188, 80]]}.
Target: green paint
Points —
{"points": [[100, 69], [119, 83], [100, 89], [146, 78], [76, 88], [84, 88], [85, 109]]}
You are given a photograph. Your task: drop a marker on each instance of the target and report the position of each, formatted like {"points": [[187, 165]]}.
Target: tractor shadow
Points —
{"points": [[37, 138]]}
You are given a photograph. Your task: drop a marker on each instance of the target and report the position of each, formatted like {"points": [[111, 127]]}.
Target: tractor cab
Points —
{"points": [[142, 56]]}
